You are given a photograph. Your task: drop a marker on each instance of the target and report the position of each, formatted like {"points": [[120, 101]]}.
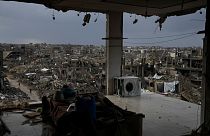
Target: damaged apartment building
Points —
{"points": [[189, 66], [171, 71]]}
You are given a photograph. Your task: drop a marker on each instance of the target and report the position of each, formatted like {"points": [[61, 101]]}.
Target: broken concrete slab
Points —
{"points": [[31, 114]]}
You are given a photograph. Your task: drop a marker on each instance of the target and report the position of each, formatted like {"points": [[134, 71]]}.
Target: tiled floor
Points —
{"points": [[164, 116]]}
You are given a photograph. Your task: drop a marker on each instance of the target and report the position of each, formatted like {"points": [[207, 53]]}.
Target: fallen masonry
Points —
{"points": [[12, 93]]}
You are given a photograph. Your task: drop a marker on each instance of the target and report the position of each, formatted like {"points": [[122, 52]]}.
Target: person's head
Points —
{"points": [[65, 86]]}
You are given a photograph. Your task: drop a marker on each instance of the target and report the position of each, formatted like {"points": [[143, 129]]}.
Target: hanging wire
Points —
{"points": [[135, 21], [96, 18], [163, 36], [84, 20], [78, 13], [162, 41], [53, 15], [201, 11]]}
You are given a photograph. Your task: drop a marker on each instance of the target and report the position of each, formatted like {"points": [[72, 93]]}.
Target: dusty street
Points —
{"points": [[24, 88]]}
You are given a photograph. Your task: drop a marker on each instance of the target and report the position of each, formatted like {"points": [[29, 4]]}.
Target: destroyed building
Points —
{"points": [[189, 65]]}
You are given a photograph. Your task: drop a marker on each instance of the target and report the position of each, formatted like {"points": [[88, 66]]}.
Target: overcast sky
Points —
{"points": [[26, 23]]}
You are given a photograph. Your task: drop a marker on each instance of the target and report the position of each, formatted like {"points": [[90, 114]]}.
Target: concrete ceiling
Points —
{"points": [[141, 7]]}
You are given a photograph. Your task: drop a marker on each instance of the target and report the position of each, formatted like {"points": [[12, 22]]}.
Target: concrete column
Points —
{"points": [[205, 106], [190, 62], [114, 47]]}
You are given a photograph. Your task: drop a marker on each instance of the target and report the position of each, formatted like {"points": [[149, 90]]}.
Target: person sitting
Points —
{"points": [[68, 91]]}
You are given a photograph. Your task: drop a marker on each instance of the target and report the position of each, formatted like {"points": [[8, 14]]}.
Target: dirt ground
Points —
{"points": [[14, 83]]}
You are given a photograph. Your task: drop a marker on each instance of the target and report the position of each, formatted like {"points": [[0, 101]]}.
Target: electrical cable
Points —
{"points": [[162, 41], [164, 36]]}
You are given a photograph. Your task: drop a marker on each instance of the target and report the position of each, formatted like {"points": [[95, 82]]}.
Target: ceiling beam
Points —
{"points": [[153, 7]]}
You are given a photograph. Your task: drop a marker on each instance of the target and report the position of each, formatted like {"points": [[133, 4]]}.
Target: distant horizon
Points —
{"points": [[69, 44]]}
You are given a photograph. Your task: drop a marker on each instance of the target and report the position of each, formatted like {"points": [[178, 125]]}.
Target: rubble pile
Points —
{"points": [[15, 104], [190, 92], [192, 95], [12, 93], [45, 68], [49, 67]]}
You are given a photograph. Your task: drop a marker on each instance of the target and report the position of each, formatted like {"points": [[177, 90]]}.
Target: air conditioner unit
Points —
{"points": [[127, 86]]}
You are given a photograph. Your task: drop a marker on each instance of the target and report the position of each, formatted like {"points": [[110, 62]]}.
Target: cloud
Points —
{"points": [[28, 21], [175, 25], [31, 22]]}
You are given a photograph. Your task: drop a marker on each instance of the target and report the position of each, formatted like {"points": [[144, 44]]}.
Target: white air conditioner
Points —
{"points": [[127, 86]]}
